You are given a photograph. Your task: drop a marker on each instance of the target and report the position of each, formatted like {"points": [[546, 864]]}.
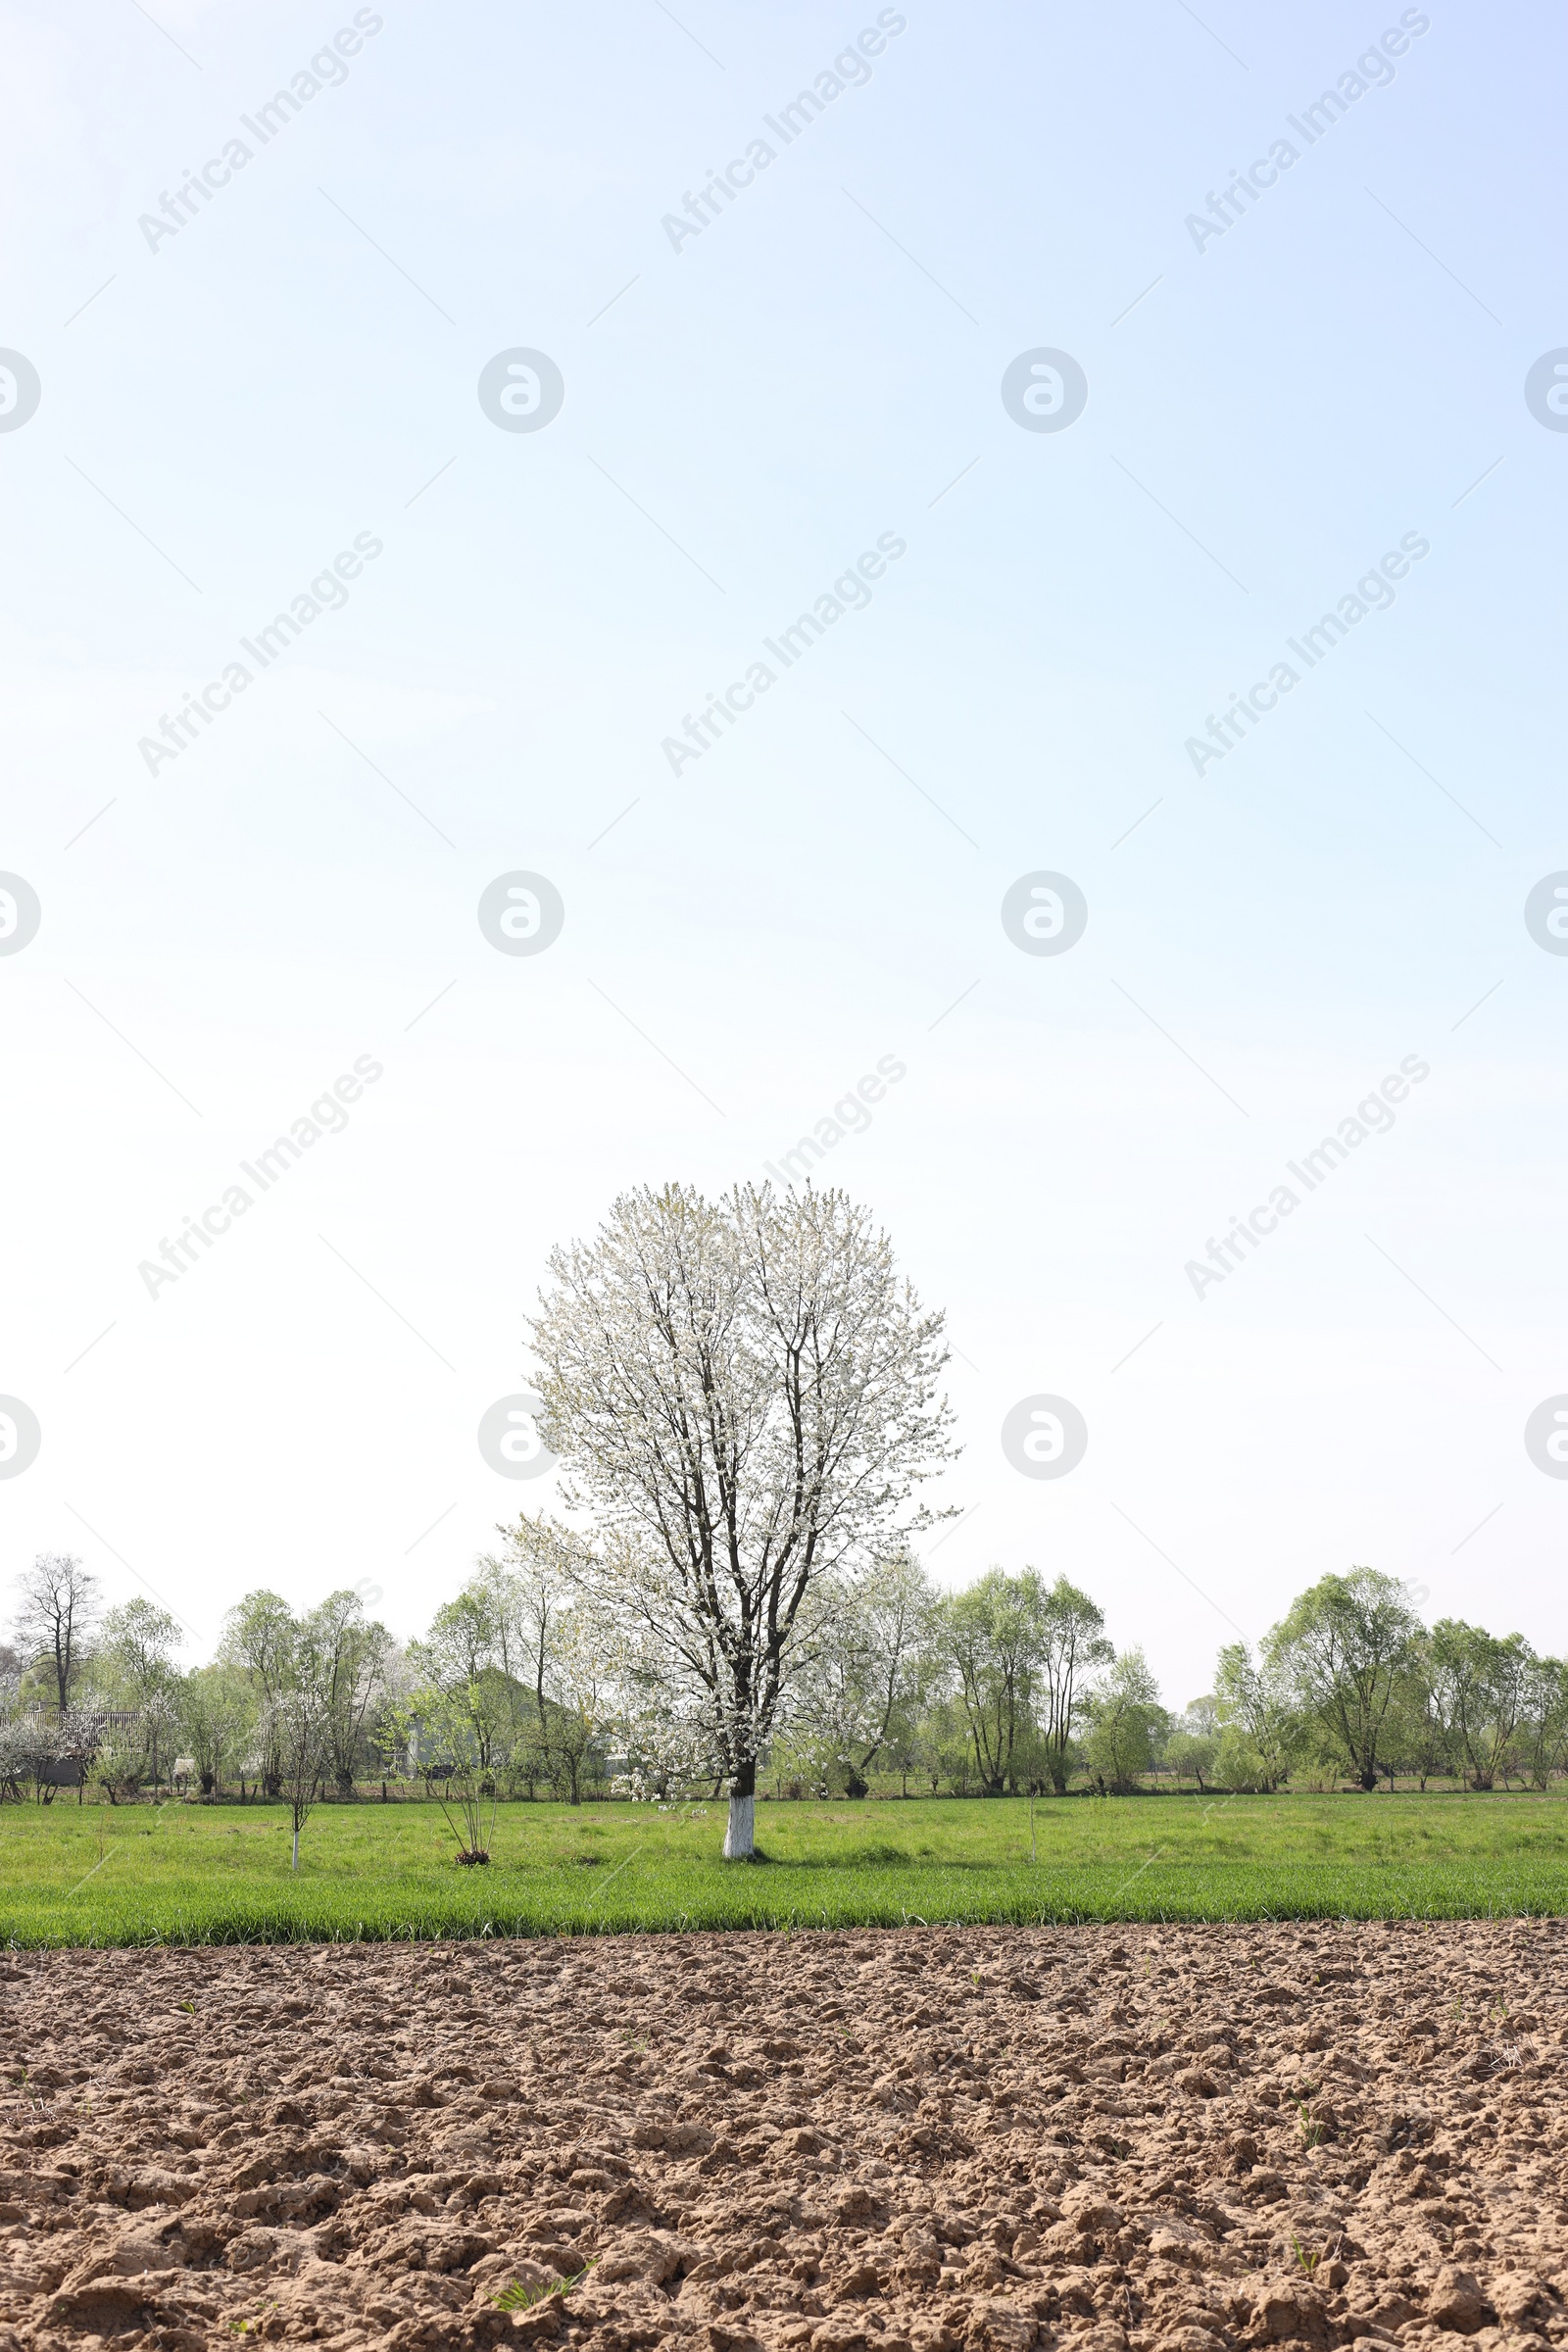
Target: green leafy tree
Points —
{"points": [[1193, 1743], [939, 1743], [525, 1662], [580, 1702], [891, 1638], [1071, 1638], [991, 1633], [1543, 1728], [468, 1718], [218, 1715], [1342, 1648], [1020, 1652], [525, 1594], [1125, 1721], [1260, 1733], [456, 1682], [1417, 1734], [118, 1757], [466, 1791], [343, 1655], [137, 1652], [261, 1636], [957, 1758], [557, 1630], [1483, 1680], [872, 1663]]}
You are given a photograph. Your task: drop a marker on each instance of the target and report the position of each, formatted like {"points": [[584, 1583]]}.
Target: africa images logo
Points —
{"points": [[521, 390], [21, 913], [20, 390], [1045, 390], [20, 1437], [1546, 390], [510, 1439], [1546, 1437], [1045, 1437], [521, 914]]}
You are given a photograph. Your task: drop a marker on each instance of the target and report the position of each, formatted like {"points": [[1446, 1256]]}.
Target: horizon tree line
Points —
{"points": [[521, 1684], [743, 1398]]}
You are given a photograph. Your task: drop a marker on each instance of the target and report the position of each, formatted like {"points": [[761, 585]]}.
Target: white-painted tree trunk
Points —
{"points": [[740, 1837]]}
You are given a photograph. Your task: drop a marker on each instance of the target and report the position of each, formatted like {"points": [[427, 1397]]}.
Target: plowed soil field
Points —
{"points": [[916, 2141]]}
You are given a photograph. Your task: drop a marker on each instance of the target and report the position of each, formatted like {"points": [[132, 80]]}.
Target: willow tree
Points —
{"points": [[1344, 1649], [991, 1633], [743, 1395], [1019, 1649]]}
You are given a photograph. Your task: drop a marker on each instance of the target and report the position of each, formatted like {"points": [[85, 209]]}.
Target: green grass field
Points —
{"points": [[196, 1874]]}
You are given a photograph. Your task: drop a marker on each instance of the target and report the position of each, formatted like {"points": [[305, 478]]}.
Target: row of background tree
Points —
{"points": [[526, 1684]]}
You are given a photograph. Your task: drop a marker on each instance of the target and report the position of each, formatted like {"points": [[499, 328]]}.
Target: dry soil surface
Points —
{"points": [[916, 2141]]}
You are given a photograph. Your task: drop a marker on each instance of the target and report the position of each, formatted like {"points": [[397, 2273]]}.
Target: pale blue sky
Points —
{"points": [[821, 367]]}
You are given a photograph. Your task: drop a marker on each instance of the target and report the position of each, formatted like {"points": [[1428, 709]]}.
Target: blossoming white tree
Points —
{"points": [[743, 1395]]}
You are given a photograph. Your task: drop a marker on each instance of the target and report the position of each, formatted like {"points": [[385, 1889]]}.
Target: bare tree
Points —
{"points": [[550, 1637], [529, 1594], [744, 1394], [56, 1613], [297, 1731], [454, 1719]]}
